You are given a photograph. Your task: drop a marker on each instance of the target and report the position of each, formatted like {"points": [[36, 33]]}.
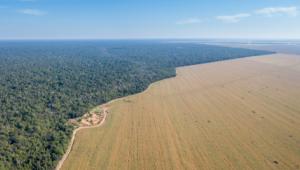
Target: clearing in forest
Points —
{"points": [[235, 114]]}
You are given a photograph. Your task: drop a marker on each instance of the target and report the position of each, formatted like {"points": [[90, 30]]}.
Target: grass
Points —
{"points": [[237, 114]]}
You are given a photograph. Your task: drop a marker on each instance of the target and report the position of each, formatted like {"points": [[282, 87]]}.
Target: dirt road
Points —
{"points": [[61, 162]]}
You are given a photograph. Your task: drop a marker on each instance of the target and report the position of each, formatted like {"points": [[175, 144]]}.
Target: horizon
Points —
{"points": [[153, 39], [130, 19]]}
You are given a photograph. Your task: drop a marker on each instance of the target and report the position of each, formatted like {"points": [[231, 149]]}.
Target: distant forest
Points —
{"points": [[43, 84]]}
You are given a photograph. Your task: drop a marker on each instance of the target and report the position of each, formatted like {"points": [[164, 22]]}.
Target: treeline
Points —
{"points": [[43, 84]]}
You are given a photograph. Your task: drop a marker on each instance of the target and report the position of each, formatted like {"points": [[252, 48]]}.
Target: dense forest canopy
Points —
{"points": [[43, 84]]}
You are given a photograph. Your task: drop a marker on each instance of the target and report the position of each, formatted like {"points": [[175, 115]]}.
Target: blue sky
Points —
{"points": [[134, 19]]}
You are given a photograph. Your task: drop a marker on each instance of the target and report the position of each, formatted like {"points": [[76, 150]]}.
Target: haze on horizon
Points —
{"points": [[133, 19]]}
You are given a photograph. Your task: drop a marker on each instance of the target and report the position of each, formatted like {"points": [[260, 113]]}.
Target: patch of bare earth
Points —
{"points": [[92, 119]]}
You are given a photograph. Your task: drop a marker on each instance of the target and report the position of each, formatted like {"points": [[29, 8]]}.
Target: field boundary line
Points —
{"points": [[70, 146]]}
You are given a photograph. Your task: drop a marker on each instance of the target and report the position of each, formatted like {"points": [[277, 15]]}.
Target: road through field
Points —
{"points": [[69, 149], [235, 114]]}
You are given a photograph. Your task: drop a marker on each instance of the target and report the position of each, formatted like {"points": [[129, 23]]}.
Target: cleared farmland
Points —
{"points": [[236, 114]]}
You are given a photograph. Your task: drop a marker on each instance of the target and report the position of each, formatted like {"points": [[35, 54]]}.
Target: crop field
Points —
{"points": [[235, 114]]}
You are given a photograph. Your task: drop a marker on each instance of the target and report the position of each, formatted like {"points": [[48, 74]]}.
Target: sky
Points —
{"points": [[149, 19]]}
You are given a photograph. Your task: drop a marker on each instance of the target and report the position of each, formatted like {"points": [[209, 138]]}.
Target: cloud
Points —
{"points": [[271, 11], [189, 21], [233, 18], [34, 12]]}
